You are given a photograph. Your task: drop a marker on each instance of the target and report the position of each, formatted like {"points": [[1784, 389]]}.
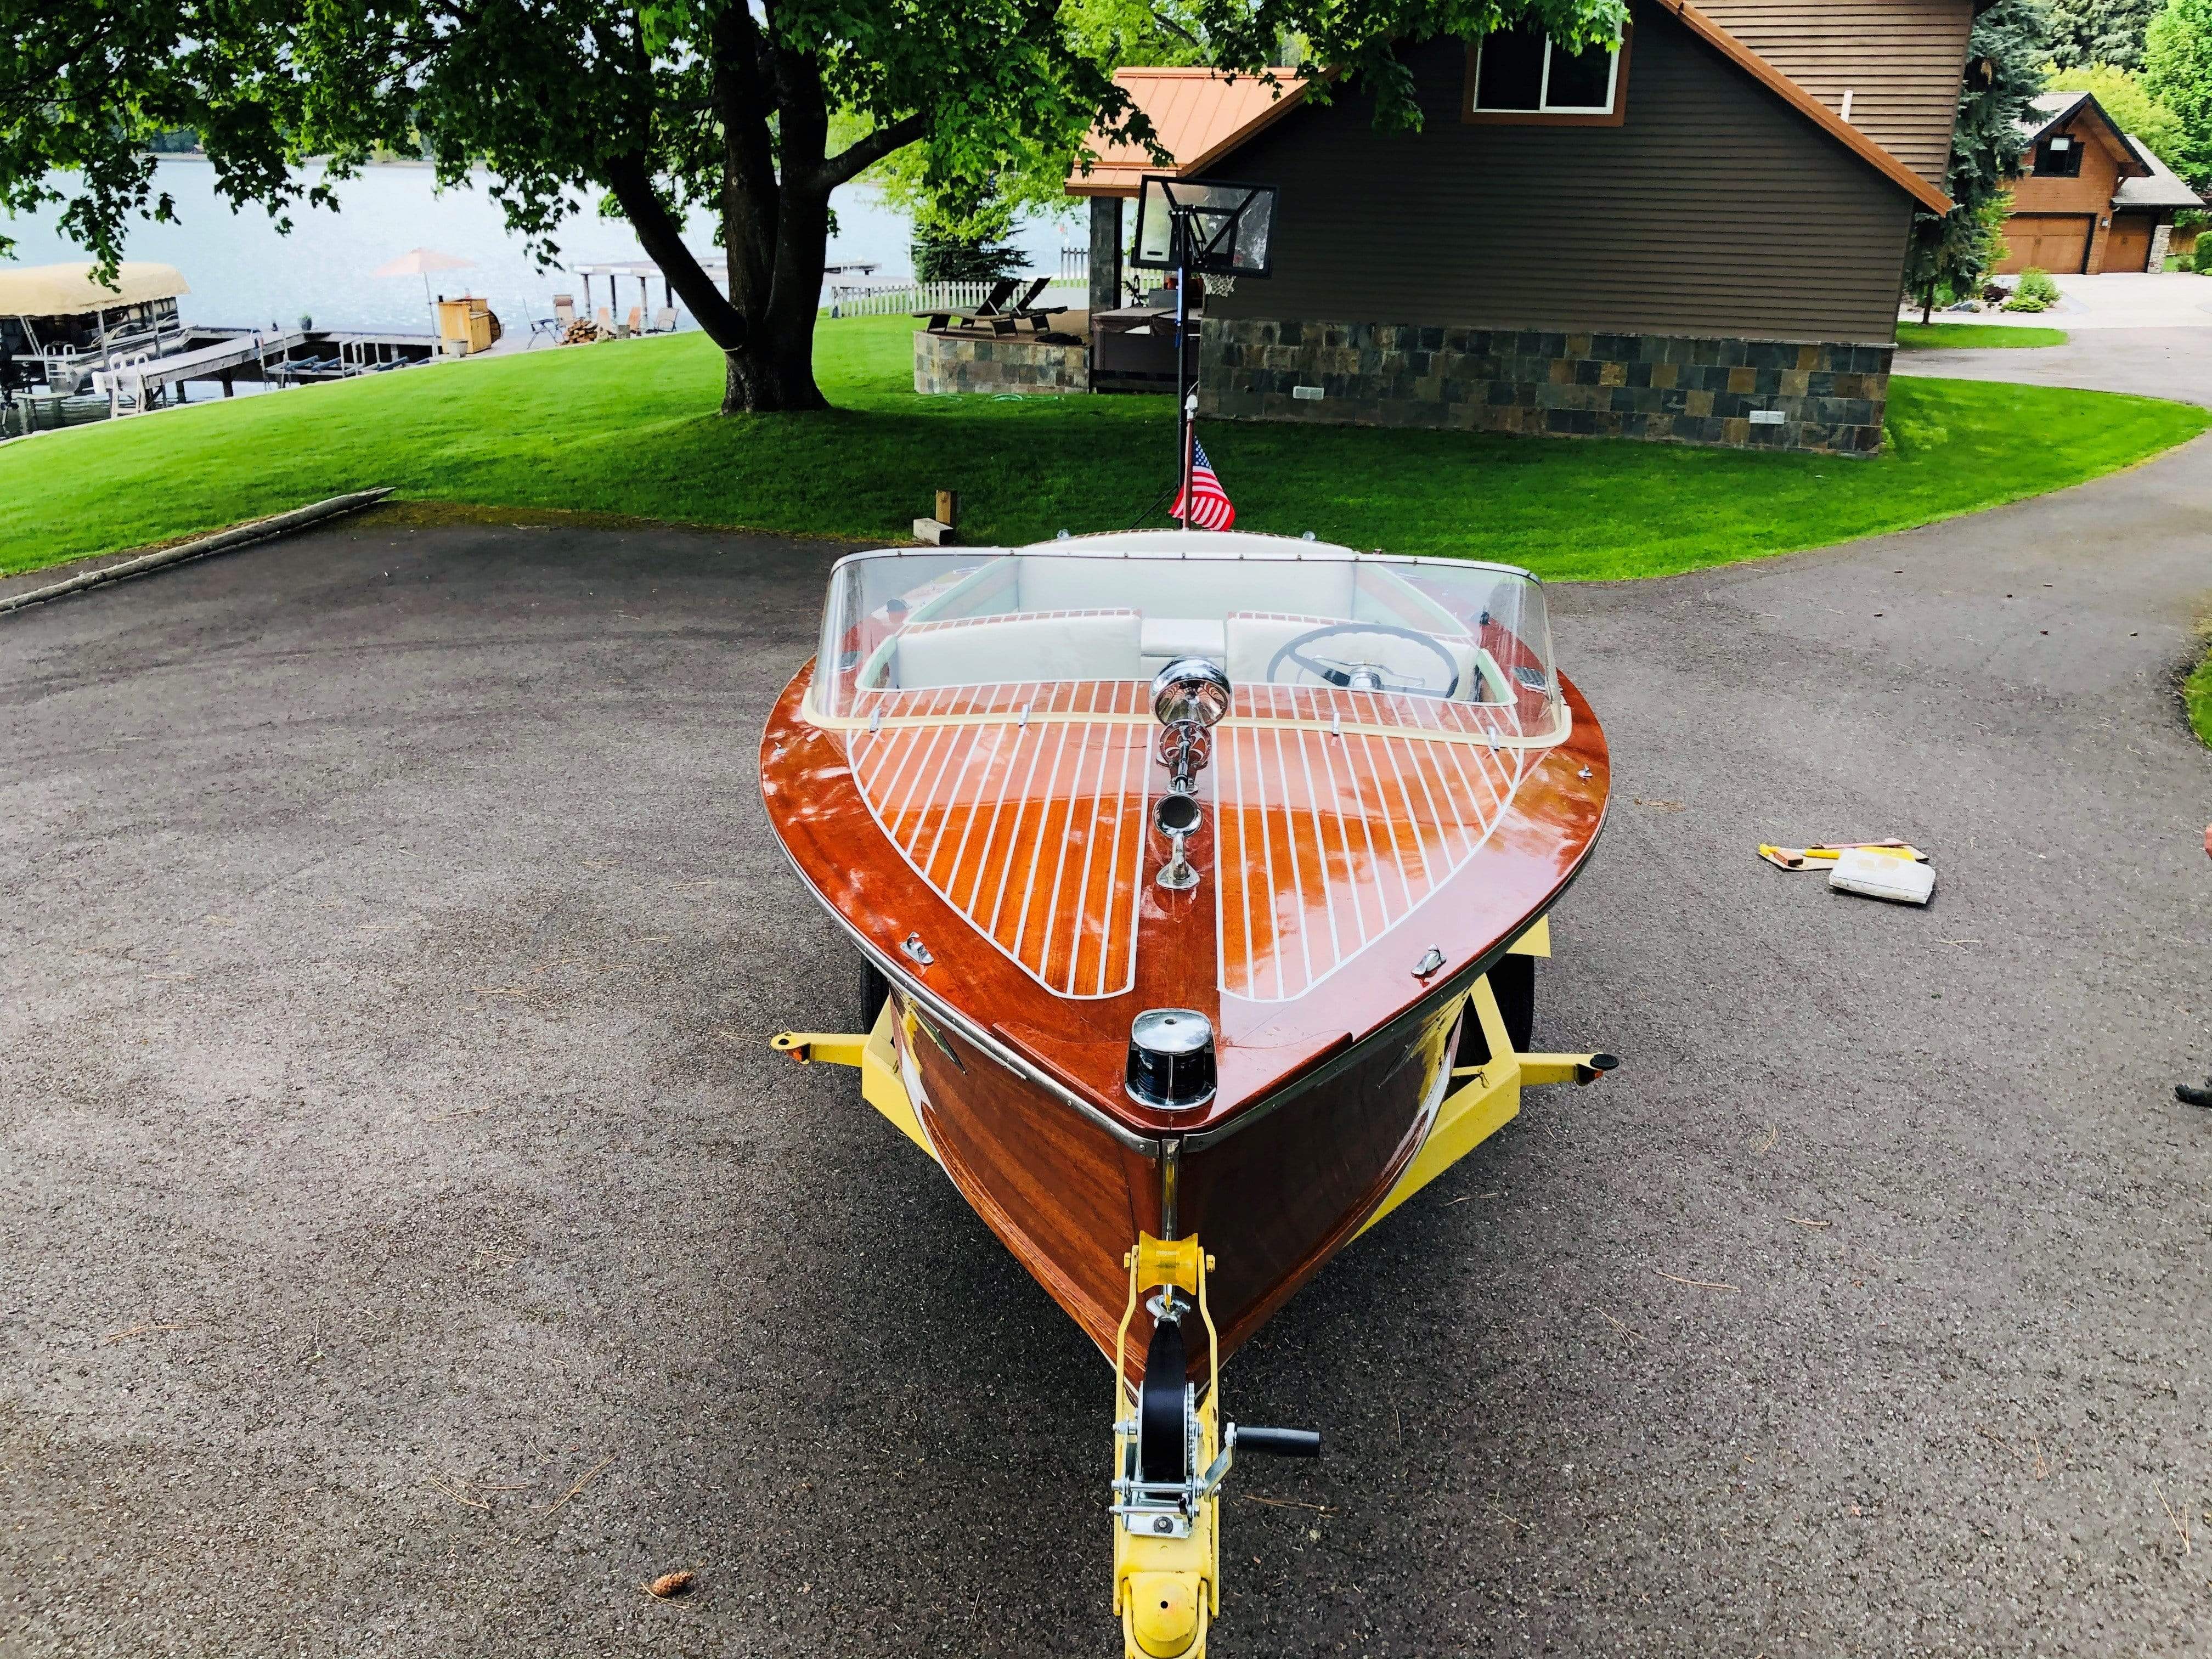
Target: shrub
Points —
{"points": [[2036, 291]]}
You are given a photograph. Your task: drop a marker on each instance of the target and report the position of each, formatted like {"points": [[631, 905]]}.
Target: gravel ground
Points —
{"points": [[409, 1246]]}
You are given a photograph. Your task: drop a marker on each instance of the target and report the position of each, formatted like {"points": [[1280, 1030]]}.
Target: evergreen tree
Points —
{"points": [[2004, 69], [2177, 72], [2085, 32]]}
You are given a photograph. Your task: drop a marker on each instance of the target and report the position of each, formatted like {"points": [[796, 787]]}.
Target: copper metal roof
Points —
{"points": [[1196, 114]]}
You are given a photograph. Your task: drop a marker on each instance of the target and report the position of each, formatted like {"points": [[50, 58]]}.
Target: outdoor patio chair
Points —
{"points": [[632, 325], [554, 327], [664, 321], [994, 302], [605, 320]]}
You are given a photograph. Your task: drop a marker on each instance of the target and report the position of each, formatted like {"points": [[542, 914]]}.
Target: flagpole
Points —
{"points": [[1186, 399]]}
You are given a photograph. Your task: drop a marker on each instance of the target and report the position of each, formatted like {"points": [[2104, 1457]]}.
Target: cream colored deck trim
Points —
{"points": [[813, 716]]}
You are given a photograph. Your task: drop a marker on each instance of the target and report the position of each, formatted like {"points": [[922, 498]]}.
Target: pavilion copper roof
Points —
{"points": [[1196, 115]]}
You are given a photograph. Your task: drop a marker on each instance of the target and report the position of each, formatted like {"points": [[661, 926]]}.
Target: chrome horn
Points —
{"points": [[1189, 696]]}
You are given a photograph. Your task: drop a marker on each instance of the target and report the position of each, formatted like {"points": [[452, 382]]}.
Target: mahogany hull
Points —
{"points": [[1331, 1069], [1274, 1201]]}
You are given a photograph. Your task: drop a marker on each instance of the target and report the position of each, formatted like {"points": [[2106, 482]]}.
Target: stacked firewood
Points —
{"points": [[584, 331]]}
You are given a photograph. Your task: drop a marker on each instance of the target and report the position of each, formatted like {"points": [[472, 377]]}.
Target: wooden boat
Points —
{"points": [[1197, 879]]}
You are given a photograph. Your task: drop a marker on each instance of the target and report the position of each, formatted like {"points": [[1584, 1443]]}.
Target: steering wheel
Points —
{"points": [[1361, 676]]}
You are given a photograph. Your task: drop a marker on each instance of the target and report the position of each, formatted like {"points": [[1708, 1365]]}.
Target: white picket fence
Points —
{"points": [[856, 299]]}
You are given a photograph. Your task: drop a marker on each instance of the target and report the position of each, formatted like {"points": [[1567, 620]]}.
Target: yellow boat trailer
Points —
{"points": [[1167, 1544]]}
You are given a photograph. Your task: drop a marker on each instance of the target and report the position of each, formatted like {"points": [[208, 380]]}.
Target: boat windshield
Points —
{"points": [[1304, 630]]}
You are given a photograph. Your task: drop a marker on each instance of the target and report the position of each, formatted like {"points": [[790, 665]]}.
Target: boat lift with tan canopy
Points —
{"points": [[60, 314], [70, 290]]}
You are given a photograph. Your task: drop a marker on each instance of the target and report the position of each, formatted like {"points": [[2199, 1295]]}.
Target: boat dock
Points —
{"points": [[283, 357], [246, 355], [271, 358]]}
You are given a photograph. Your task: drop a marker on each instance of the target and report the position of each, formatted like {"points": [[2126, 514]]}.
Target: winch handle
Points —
{"points": [[1278, 1442]]}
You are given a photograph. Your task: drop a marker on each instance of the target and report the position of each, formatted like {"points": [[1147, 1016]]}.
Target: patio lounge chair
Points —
{"points": [[664, 321], [632, 325], [1026, 309], [556, 327], [1000, 312]]}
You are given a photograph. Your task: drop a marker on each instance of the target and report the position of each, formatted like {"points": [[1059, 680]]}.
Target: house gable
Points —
{"points": [[1896, 63], [1201, 116], [1712, 209], [2079, 115]]}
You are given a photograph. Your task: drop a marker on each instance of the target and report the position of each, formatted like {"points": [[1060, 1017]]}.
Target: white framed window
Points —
{"points": [[1523, 72]]}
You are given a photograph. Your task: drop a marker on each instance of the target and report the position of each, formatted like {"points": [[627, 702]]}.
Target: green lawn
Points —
{"points": [[1959, 336], [2197, 692], [630, 430]]}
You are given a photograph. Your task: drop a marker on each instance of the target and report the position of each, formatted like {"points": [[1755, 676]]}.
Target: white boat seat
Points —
{"points": [[1022, 645], [1184, 587], [1166, 638]]}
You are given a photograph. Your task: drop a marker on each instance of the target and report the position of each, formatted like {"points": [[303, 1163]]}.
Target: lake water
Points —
{"points": [[243, 273]]}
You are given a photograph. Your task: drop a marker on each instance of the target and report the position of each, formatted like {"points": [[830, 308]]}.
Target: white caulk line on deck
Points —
{"points": [[897, 815], [1075, 796], [1352, 883], [1320, 844], [1014, 841], [1297, 880], [1388, 821], [1008, 757], [1114, 873], [1413, 822]]}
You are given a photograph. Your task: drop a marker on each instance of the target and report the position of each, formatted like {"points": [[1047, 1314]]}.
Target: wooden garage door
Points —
{"points": [[2127, 244], [2048, 241]]}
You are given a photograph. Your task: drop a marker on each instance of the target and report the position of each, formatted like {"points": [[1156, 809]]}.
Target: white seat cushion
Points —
{"points": [[1019, 645], [1170, 637], [1185, 588]]}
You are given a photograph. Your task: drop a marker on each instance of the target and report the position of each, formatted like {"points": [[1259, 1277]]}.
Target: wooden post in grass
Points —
{"points": [[938, 532]]}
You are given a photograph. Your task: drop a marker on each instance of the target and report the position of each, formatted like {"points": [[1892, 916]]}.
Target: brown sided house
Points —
{"points": [[2091, 198], [1700, 238]]}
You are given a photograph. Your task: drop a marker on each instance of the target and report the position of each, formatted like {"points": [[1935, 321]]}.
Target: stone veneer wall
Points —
{"points": [[1659, 388], [1009, 362]]}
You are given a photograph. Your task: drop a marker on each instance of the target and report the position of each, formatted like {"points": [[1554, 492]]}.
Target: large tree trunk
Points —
{"points": [[773, 369], [775, 216]]}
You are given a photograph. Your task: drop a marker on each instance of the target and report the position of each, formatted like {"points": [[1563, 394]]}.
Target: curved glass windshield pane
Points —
{"points": [[1321, 633]]}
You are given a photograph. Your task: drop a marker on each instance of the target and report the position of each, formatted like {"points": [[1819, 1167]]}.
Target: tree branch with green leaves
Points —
{"points": [[750, 111]]}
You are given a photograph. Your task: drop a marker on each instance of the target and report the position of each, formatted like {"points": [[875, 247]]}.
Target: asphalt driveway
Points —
{"points": [[2123, 299], [408, 1245], [2151, 362]]}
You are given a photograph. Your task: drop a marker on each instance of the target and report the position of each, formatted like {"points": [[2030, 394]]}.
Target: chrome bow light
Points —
{"points": [[1192, 689]]}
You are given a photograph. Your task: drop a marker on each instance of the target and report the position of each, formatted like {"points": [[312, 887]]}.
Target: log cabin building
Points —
{"points": [[1698, 238], [2091, 198]]}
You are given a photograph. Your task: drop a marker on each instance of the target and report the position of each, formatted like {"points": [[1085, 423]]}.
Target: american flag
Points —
{"points": [[1210, 506]]}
